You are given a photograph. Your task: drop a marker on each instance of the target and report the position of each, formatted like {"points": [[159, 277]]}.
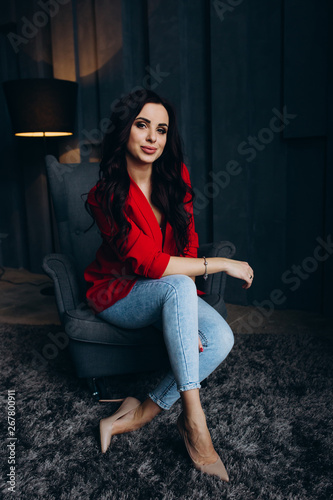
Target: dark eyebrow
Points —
{"points": [[148, 121]]}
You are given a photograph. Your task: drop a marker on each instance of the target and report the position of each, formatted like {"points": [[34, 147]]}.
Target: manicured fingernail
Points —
{"points": [[201, 349]]}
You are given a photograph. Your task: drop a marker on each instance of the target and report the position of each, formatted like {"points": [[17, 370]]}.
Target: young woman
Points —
{"points": [[145, 270]]}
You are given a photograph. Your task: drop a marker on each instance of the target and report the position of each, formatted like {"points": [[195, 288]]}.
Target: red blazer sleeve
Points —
{"points": [[140, 251], [192, 250]]}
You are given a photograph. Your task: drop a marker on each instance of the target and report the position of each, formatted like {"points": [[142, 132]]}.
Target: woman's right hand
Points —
{"points": [[239, 269]]}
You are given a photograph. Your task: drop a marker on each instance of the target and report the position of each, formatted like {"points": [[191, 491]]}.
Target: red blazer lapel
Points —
{"points": [[140, 211], [169, 241]]}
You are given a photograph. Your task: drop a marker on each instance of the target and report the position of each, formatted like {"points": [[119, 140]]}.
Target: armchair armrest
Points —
{"points": [[215, 283], [61, 269]]}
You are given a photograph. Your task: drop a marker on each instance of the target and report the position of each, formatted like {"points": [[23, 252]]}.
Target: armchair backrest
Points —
{"points": [[67, 183]]}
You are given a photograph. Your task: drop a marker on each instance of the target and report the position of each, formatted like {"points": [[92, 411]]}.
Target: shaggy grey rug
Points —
{"points": [[269, 408]]}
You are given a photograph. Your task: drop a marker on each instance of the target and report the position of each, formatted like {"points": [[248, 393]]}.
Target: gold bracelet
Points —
{"points": [[205, 276]]}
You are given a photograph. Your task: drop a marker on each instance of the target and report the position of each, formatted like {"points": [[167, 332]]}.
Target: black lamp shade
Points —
{"points": [[41, 106]]}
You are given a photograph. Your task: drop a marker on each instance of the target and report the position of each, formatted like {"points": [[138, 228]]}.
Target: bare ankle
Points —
{"points": [[150, 409], [195, 421], [146, 412]]}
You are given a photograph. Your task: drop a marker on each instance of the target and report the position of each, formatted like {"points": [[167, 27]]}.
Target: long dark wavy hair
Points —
{"points": [[168, 186]]}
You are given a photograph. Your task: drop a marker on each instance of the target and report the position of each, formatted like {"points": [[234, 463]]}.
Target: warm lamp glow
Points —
{"points": [[41, 107], [43, 134]]}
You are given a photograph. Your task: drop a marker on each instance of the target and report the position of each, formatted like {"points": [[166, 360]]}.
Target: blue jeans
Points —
{"points": [[172, 305]]}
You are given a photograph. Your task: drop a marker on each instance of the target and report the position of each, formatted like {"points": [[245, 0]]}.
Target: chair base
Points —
{"points": [[102, 360]]}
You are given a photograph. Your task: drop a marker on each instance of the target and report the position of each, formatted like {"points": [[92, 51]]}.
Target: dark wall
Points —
{"points": [[251, 83]]}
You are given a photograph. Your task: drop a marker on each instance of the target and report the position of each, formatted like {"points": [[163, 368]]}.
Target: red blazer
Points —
{"points": [[113, 274]]}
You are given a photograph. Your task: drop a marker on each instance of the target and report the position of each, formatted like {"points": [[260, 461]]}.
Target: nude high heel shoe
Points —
{"points": [[105, 429], [215, 469]]}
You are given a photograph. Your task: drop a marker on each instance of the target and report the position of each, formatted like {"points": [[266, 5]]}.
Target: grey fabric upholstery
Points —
{"points": [[99, 349], [67, 184], [61, 269]]}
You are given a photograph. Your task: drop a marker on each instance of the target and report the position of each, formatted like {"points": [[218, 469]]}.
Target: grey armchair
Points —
{"points": [[99, 349]]}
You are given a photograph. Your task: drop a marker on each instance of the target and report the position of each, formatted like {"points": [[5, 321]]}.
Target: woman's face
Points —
{"points": [[148, 134]]}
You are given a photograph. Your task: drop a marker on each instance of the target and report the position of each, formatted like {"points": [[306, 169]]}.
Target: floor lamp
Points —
{"points": [[42, 107]]}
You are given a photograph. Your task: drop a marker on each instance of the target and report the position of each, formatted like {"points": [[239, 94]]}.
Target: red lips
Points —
{"points": [[148, 150]]}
